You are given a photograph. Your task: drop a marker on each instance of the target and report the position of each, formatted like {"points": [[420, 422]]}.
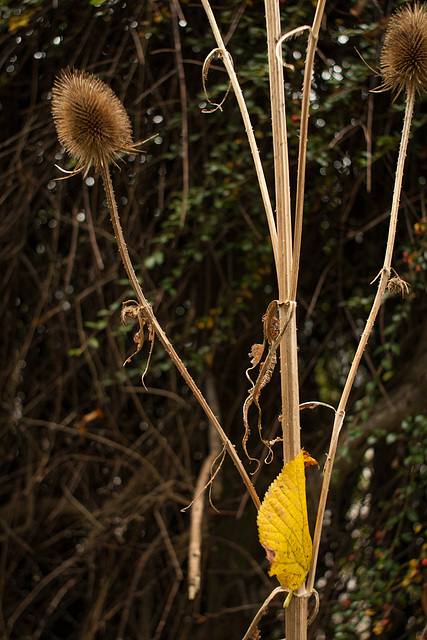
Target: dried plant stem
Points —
{"points": [[327, 474], [280, 149], [175, 9], [288, 348], [302, 151], [384, 278], [196, 525], [198, 506], [386, 269], [149, 314], [296, 612], [251, 632], [248, 126]]}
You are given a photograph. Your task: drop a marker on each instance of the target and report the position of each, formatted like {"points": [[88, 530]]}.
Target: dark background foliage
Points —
{"points": [[96, 469]]}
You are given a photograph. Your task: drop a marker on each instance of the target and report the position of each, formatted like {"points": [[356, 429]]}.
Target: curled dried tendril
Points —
{"points": [[218, 461], [132, 310], [215, 54], [288, 36], [396, 285], [272, 337]]}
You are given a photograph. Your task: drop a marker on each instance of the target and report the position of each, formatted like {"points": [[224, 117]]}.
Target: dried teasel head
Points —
{"points": [[403, 63], [91, 122]]}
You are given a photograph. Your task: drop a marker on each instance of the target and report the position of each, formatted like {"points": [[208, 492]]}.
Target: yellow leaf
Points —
{"points": [[283, 524]]}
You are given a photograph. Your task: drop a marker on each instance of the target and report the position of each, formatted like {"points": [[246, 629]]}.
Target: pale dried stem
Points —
{"points": [[288, 348], [384, 278], [149, 314], [280, 149], [302, 152], [248, 127], [251, 632], [296, 612], [196, 525], [327, 473], [198, 506], [386, 269]]}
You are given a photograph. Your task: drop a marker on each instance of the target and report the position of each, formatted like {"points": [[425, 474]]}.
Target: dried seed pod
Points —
{"points": [[403, 62], [91, 122]]}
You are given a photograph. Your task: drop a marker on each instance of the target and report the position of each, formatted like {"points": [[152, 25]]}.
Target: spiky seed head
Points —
{"points": [[403, 62], [91, 122]]}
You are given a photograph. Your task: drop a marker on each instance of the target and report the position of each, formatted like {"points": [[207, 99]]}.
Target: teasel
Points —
{"points": [[91, 122], [403, 62], [94, 128], [403, 67]]}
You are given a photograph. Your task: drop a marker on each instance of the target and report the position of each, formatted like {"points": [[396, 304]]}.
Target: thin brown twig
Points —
{"points": [[60, 569], [175, 10], [92, 234], [132, 592], [53, 604], [168, 545], [168, 606], [143, 460], [368, 135]]}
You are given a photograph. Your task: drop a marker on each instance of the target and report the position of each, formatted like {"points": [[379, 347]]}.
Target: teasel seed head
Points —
{"points": [[403, 62], [91, 122]]}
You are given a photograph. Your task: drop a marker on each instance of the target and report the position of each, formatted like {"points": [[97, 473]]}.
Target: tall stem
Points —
{"points": [[288, 348], [280, 149], [149, 314], [384, 278], [302, 151], [385, 273], [296, 613], [248, 126]]}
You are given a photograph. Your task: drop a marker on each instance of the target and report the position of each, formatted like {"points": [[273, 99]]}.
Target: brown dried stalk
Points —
{"points": [[403, 67], [94, 128]]}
